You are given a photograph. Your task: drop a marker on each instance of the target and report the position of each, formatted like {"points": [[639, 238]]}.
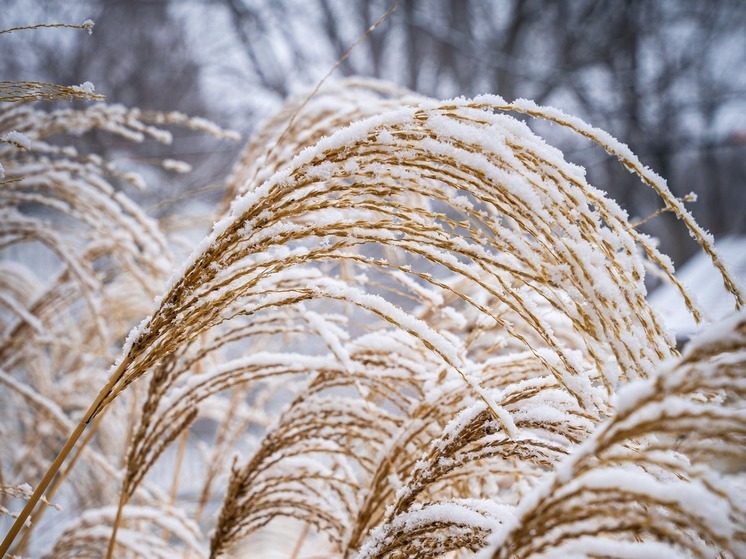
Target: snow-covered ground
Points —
{"points": [[702, 279]]}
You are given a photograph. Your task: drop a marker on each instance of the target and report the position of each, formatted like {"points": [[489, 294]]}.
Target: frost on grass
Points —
{"points": [[663, 474], [14, 137], [86, 88], [416, 330]]}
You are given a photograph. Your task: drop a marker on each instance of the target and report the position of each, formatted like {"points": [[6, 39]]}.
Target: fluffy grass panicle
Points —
{"points": [[420, 328]]}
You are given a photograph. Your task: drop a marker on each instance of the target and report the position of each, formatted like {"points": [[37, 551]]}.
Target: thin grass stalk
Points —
{"points": [[299, 543], [92, 411], [116, 523], [55, 485], [86, 26]]}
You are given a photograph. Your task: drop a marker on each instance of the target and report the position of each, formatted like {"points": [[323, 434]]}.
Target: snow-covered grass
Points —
{"points": [[415, 329]]}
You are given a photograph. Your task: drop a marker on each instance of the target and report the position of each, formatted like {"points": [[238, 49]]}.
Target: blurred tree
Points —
{"points": [[660, 75], [664, 76]]}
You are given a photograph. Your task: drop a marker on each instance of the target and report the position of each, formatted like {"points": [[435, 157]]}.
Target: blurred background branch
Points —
{"points": [[666, 77]]}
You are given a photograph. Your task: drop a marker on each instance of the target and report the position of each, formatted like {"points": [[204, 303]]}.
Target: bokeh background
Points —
{"points": [[667, 77]]}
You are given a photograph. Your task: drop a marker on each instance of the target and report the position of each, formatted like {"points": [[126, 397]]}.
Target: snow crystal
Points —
{"points": [[461, 202], [384, 137], [323, 171], [85, 88], [88, 26], [350, 166], [20, 140]]}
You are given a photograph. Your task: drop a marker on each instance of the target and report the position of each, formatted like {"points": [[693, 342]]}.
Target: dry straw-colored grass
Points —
{"points": [[417, 322]]}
